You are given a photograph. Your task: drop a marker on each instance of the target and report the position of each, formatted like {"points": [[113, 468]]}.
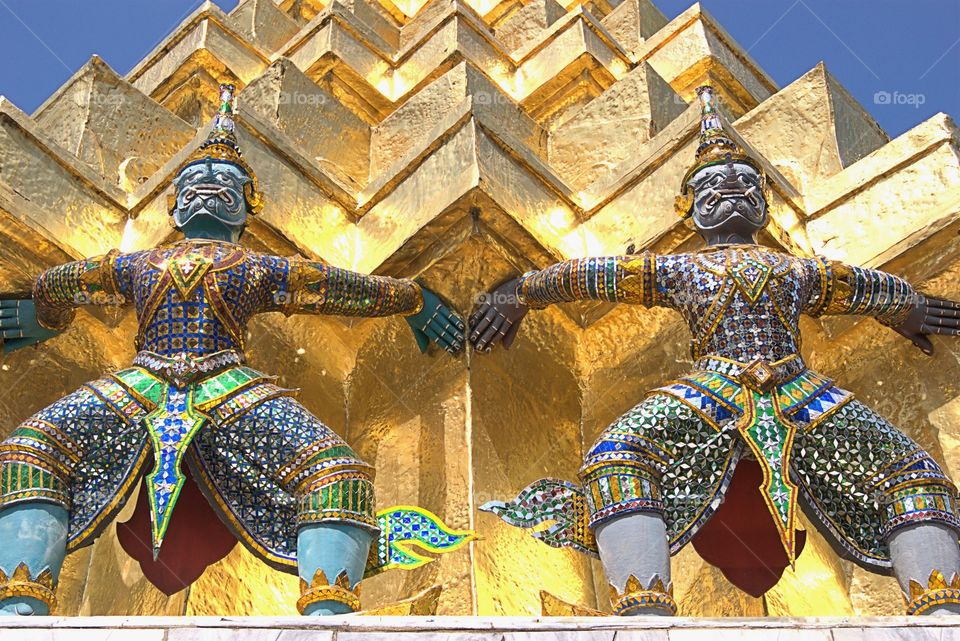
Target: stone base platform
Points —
{"points": [[357, 628]]}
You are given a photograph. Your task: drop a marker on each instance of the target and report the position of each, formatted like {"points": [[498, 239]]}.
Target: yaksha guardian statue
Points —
{"points": [[278, 479], [663, 474]]}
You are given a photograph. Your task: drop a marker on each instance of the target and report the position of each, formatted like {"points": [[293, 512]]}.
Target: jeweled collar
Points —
{"points": [[204, 241], [723, 246]]}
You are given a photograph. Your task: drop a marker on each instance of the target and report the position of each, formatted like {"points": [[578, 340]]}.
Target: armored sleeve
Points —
{"points": [[308, 287], [844, 289], [617, 279], [58, 291]]}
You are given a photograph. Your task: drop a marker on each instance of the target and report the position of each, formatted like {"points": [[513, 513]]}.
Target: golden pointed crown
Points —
{"points": [[635, 595], [21, 574], [321, 589], [634, 586], [716, 146], [936, 582], [221, 145], [938, 592], [21, 584]]}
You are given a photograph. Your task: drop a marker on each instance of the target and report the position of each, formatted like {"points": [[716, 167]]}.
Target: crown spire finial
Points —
{"points": [[715, 146], [221, 145], [223, 125]]}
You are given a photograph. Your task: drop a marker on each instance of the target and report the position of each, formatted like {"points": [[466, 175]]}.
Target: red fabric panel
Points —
{"points": [[741, 537], [195, 539]]}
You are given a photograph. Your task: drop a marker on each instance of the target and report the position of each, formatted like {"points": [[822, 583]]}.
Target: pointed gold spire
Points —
{"points": [[715, 147], [553, 606], [422, 604]]}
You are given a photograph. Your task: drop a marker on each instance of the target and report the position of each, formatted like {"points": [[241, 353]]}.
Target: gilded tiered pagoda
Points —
{"points": [[463, 143]]}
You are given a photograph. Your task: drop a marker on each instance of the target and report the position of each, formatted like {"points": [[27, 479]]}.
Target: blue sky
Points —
{"points": [[899, 58]]}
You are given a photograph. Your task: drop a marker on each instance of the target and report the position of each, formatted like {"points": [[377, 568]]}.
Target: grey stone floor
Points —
{"points": [[353, 628]]}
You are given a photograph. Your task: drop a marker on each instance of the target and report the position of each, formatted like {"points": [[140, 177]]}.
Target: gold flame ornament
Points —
{"points": [[656, 596], [22, 585], [320, 589]]}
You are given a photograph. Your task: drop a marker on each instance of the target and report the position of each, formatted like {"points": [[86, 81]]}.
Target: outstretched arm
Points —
{"points": [[316, 288], [57, 293], [845, 289], [618, 279], [626, 279]]}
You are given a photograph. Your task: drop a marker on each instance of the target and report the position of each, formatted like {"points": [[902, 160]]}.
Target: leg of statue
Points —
{"points": [[635, 545], [332, 548], [332, 491], [628, 474], [76, 452], [649, 481], [34, 539], [917, 551], [897, 504]]}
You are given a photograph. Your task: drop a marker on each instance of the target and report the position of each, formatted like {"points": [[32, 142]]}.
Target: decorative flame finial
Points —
{"points": [[223, 125], [938, 592], [322, 589], [637, 597]]}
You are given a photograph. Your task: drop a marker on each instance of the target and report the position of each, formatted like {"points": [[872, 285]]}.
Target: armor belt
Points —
{"points": [[183, 368], [757, 374]]}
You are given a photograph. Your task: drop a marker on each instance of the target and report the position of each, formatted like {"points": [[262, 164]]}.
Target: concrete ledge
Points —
{"points": [[356, 628]]}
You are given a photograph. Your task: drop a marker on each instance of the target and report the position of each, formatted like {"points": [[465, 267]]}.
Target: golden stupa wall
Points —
{"points": [[464, 142]]}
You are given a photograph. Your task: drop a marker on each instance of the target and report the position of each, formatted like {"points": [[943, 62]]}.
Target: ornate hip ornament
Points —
{"points": [[182, 369], [758, 374]]}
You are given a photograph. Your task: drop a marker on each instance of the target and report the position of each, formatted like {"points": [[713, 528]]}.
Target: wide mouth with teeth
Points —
{"points": [[717, 194]]}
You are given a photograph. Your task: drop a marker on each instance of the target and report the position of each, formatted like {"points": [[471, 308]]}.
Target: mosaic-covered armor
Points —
{"points": [[751, 391], [683, 465], [193, 300], [193, 419]]}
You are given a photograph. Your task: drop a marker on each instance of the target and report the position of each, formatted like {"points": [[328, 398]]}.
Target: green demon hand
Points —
{"points": [[19, 326], [438, 323]]}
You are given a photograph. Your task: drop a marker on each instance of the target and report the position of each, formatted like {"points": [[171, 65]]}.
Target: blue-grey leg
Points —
{"points": [[625, 481], [922, 554], [340, 552], [324, 482], [636, 559], [34, 537], [912, 517]]}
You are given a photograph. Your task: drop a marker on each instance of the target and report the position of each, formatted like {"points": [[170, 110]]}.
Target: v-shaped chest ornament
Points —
{"points": [[751, 276], [187, 265], [187, 271]]}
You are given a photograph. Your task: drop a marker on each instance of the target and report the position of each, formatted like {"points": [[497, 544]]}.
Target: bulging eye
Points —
{"points": [[223, 178]]}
